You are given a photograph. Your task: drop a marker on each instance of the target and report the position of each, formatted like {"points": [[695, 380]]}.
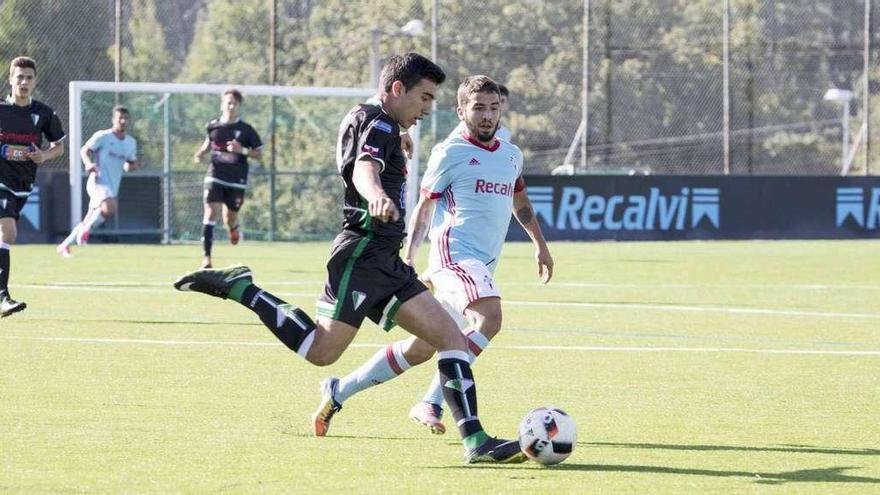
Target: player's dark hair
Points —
{"points": [[476, 84], [410, 68], [503, 90], [235, 94], [24, 63], [121, 109]]}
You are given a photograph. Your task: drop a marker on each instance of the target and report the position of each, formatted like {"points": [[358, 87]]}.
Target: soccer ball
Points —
{"points": [[547, 435]]}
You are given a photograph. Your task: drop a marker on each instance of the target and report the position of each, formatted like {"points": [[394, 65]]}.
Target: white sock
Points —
{"points": [[93, 219], [72, 237], [385, 364], [477, 343]]}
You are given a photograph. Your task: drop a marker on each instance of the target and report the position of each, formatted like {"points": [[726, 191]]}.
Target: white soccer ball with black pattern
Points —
{"points": [[547, 435]]}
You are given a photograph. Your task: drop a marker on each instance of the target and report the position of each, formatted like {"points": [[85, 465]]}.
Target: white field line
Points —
{"points": [[697, 309], [560, 285], [805, 352], [624, 306]]}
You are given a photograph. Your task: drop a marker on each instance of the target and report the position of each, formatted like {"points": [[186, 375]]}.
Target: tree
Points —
{"points": [[147, 58]]}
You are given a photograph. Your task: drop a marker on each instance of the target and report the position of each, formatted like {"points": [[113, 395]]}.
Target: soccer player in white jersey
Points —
{"points": [[106, 155], [475, 179]]}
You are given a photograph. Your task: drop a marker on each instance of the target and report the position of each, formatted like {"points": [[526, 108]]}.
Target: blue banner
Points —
{"points": [[703, 207]]}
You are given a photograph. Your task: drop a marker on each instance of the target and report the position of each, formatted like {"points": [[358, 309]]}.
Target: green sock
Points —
{"points": [[238, 289], [475, 440]]}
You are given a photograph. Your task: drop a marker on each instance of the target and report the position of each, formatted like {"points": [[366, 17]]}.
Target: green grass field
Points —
{"points": [[689, 367]]}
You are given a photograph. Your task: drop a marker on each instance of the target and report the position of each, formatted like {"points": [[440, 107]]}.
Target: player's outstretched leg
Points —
{"points": [[291, 325], [429, 412]]}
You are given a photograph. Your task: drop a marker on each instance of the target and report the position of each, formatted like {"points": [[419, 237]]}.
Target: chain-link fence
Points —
{"points": [[675, 86]]}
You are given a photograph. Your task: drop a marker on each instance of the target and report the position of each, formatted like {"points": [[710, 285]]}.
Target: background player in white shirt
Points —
{"points": [[106, 155], [476, 180]]}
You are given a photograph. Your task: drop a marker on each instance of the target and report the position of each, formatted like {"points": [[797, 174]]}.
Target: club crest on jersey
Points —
{"points": [[372, 150], [383, 126], [35, 117], [358, 298], [474, 162]]}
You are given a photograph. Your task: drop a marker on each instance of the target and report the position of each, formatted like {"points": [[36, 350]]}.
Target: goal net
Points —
{"points": [[293, 192]]}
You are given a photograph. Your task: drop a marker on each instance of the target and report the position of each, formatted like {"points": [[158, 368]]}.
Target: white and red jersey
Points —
{"points": [[474, 186]]}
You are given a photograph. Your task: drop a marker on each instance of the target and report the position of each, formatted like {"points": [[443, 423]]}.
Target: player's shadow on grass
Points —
{"points": [[823, 475], [796, 449], [177, 322]]}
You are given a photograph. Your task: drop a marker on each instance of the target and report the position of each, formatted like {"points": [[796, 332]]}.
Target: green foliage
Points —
{"points": [[147, 59]]}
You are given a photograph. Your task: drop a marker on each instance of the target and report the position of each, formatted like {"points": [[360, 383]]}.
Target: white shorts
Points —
{"points": [[98, 192], [458, 285]]}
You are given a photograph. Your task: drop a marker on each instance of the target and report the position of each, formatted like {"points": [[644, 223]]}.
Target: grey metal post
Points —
{"points": [[435, 25], [845, 137], [726, 87], [585, 82], [117, 50], [272, 80], [867, 86], [375, 34], [166, 170]]}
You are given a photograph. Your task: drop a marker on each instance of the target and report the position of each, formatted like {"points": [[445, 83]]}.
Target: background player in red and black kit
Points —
{"points": [[366, 276], [23, 123], [231, 142]]}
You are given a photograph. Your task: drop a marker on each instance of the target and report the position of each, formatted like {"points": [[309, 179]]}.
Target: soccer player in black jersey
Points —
{"points": [[23, 123], [366, 276], [231, 141]]}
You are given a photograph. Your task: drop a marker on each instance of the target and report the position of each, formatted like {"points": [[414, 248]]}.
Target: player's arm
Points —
{"points": [[54, 150], [206, 145], [54, 132], [86, 154], [419, 224], [525, 215], [365, 178], [132, 163], [235, 146]]}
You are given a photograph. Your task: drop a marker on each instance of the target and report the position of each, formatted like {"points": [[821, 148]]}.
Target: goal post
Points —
{"points": [[312, 114]]}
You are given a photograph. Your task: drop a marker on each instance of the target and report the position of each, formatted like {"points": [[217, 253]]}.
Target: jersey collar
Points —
{"points": [[477, 143], [11, 100]]}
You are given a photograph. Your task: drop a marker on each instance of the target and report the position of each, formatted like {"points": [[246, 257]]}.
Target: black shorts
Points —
{"points": [[11, 205], [366, 278], [232, 197]]}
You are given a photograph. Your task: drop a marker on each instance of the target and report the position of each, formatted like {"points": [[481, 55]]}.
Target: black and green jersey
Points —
{"points": [[368, 132], [22, 130]]}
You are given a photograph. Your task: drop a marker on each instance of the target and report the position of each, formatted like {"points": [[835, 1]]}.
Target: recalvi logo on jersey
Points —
{"points": [[576, 209]]}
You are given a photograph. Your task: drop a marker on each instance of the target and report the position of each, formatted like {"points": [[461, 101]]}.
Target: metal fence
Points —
{"points": [[675, 86], [760, 87]]}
